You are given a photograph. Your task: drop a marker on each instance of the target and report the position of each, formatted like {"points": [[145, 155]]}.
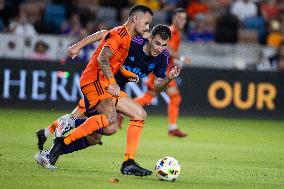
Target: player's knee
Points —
{"points": [[141, 114], [112, 117], [113, 125], [111, 129], [94, 139]]}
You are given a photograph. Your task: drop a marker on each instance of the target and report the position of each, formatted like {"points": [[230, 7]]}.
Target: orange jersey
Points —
{"points": [[174, 44], [118, 40]]}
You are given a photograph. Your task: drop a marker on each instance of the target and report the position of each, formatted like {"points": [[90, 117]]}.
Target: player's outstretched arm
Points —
{"points": [[132, 77], [74, 49], [103, 60], [161, 84]]}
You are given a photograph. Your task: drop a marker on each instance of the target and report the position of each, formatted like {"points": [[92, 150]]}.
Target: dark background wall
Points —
{"points": [[51, 85]]}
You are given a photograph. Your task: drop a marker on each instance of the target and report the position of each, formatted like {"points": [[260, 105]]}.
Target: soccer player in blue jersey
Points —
{"points": [[144, 57]]}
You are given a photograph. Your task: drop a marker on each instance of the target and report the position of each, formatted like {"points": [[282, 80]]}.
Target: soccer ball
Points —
{"points": [[167, 169]]}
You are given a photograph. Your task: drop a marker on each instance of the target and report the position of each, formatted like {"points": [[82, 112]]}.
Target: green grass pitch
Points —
{"points": [[218, 153]]}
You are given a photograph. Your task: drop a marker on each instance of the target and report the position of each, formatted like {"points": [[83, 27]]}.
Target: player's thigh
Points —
{"points": [[106, 107], [130, 108], [94, 138]]}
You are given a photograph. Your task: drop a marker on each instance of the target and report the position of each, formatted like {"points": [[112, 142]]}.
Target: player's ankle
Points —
{"points": [[128, 156]]}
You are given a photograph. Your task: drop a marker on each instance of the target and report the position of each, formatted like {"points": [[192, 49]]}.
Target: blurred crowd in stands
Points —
{"points": [[209, 21]]}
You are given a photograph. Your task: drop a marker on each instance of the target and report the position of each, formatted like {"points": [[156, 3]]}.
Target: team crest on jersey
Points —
{"points": [[151, 66], [136, 70]]}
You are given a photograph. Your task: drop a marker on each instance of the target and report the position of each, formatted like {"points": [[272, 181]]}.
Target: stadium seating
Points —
{"points": [[1, 25], [248, 36], [54, 11], [256, 23], [107, 14], [159, 17]]}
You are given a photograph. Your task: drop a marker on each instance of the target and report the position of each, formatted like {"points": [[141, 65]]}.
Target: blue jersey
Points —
{"points": [[141, 64]]}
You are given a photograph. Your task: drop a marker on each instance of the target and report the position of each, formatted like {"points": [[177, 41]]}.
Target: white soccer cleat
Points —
{"points": [[42, 158], [65, 124]]}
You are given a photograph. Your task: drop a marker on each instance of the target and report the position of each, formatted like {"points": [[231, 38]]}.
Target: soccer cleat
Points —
{"points": [[40, 139], [130, 167], [56, 150], [42, 158], [64, 125], [177, 133]]}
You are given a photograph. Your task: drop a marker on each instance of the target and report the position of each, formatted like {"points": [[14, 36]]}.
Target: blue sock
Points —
{"points": [[77, 145], [79, 121]]}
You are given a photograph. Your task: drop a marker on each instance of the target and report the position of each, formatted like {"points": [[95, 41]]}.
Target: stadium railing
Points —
{"points": [[220, 56]]}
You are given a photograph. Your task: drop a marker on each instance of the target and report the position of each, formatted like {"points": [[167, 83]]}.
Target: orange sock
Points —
{"points": [[88, 127], [145, 99], [52, 127], [133, 135], [173, 108]]}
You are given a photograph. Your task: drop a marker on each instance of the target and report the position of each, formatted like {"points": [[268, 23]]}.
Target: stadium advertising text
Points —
{"points": [[38, 85], [51, 85], [261, 95]]}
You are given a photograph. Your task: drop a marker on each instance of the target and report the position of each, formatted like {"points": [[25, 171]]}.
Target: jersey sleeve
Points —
{"points": [[113, 41], [161, 68]]}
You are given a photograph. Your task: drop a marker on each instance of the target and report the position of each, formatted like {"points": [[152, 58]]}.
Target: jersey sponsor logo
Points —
{"points": [[131, 58], [136, 70]]}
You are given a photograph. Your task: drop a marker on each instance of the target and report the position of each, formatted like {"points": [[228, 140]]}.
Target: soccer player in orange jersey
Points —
{"points": [[99, 86], [150, 56], [178, 22]]}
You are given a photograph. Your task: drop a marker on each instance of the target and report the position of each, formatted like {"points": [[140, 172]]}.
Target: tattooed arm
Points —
{"points": [[103, 60]]}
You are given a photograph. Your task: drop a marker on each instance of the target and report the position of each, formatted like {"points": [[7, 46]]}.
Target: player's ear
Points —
{"points": [[134, 18]]}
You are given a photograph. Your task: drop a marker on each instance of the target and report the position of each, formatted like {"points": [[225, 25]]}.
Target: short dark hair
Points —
{"points": [[162, 30], [140, 8], [179, 10]]}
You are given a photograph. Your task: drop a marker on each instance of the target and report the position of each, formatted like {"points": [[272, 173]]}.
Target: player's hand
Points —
{"points": [[113, 89], [134, 78], [73, 51], [175, 71], [186, 60]]}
